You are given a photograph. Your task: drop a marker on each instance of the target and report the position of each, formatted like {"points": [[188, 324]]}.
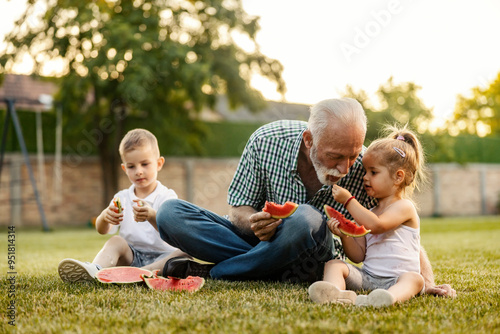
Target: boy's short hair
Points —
{"points": [[138, 138]]}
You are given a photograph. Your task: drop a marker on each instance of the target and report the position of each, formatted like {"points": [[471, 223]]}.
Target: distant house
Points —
{"points": [[27, 91], [272, 112]]}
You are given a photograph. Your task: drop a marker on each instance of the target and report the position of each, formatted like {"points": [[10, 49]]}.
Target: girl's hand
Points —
{"points": [[443, 290], [340, 194], [333, 225], [142, 211], [111, 215]]}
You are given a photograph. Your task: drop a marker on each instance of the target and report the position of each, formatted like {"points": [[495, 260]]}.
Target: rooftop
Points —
{"points": [[26, 91]]}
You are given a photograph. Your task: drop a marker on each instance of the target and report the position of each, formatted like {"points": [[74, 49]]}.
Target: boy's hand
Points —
{"points": [[340, 194], [333, 225], [111, 215], [142, 211]]}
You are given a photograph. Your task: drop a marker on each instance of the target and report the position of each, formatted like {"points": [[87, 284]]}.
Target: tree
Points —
{"points": [[162, 59], [398, 103], [479, 114]]}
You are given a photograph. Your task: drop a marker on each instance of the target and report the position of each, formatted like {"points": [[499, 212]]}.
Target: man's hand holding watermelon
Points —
{"points": [[262, 224]]}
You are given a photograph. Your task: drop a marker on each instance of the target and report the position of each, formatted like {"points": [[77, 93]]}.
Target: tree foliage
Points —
{"points": [[163, 59], [480, 113], [397, 103]]}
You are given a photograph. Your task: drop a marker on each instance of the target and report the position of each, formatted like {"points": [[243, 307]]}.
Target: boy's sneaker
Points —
{"points": [[72, 271]]}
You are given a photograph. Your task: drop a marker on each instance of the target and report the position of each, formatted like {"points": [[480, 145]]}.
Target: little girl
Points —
{"points": [[390, 253]]}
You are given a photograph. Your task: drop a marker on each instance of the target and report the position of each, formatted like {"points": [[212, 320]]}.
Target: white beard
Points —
{"points": [[321, 171]]}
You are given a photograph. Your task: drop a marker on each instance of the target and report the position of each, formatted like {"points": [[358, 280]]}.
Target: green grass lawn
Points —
{"points": [[465, 252]]}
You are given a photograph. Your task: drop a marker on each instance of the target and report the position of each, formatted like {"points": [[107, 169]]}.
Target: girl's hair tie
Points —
{"points": [[400, 138]]}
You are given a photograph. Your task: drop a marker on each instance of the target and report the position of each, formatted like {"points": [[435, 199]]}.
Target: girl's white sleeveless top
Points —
{"points": [[393, 253]]}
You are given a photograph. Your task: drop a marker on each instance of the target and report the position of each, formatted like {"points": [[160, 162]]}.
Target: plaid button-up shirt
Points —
{"points": [[267, 171]]}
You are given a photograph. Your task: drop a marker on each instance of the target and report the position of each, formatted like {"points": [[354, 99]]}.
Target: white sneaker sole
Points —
{"points": [[72, 271], [323, 292]]}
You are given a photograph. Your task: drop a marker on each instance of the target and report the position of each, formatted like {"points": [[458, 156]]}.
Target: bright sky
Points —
{"points": [[445, 46]]}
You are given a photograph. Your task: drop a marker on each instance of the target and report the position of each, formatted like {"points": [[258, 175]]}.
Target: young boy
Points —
{"points": [[138, 243]]}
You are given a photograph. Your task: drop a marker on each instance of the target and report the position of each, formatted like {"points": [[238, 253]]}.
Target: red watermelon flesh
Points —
{"points": [[279, 211], [346, 226], [122, 275], [190, 283]]}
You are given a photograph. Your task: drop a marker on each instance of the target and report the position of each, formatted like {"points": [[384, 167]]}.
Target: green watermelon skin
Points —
{"points": [[278, 211], [346, 226], [190, 283], [122, 275]]}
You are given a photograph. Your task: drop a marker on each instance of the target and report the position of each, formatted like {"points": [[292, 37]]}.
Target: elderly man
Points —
{"points": [[282, 161]]}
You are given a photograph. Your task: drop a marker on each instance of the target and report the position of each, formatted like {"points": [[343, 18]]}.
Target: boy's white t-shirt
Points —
{"points": [[142, 235]]}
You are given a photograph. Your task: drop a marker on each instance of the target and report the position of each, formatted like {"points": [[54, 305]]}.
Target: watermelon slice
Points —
{"points": [[122, 275], [118, 204], [280, 211], [346, 226], [190, 283]]}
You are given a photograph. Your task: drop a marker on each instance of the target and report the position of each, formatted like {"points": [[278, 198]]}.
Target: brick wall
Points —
{"points": [[457, 190], [454, 191]]}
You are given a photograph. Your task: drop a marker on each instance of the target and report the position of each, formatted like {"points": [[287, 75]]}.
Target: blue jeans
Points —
{"points": [[296, 253]]}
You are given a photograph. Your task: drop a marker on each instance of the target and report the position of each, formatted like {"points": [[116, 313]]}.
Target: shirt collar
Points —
{"points": [[151, 198]]}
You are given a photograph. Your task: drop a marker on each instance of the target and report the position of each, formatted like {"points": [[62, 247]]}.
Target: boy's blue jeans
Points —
{"points": [[296, 252]]}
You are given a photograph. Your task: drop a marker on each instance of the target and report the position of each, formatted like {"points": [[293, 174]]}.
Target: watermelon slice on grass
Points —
{"points": [[122, 275], [190, 283], [130, 275], [346, 226]]}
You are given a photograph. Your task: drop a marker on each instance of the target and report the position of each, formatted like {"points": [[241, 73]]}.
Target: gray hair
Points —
{"points": [[347, 111]]}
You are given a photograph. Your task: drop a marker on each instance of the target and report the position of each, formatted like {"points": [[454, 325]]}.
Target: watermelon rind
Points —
{"points": [[122, 275], [365, 232], [331, 212], [189, 284], [278, 211]]}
